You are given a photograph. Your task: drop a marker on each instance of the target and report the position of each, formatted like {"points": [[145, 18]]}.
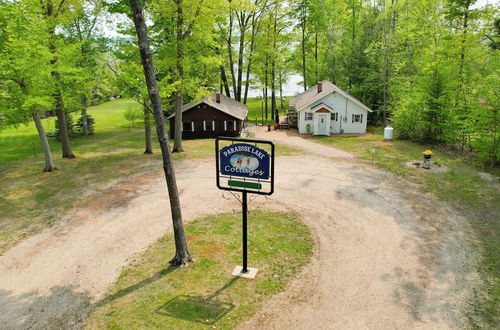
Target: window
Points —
{"points": [[334, 116], [209, 125], [308, 116], [230, 125], [357, 118], [188, 126]]}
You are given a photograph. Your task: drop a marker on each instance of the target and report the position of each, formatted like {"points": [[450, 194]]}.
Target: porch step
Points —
{"points": [[284, 126]]}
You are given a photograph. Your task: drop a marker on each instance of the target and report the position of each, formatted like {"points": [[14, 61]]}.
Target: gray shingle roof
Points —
{"points": [[311, 95], [226, 105]]}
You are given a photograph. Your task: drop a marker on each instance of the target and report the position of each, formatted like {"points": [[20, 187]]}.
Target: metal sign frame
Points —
{"points": [[245, 187], [246, 180]]}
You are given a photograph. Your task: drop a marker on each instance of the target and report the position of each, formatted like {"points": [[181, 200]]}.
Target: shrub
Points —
{"points": [[70, 126], [90, 125], [132, 114]]}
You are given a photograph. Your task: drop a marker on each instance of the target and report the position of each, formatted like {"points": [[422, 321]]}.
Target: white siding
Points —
{"points": [[302, 123], [345, 109]]}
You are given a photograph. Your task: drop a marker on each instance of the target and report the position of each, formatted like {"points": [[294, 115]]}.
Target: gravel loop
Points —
{"points": [[387, 256]]}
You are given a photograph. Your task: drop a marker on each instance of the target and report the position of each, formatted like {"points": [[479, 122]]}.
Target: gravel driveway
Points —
{"points": [[387, 255]]}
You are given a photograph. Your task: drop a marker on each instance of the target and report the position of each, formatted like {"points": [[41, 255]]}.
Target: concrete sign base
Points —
{"points": [[252, 272]]}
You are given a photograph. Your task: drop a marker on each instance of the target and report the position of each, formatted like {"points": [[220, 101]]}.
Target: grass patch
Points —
{"points": [[462, 186], [204, 295], [255, 106], [17, 143], [31, 200]]}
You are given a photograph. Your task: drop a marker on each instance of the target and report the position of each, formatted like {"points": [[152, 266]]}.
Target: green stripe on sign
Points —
{"points": [[244, 184]]}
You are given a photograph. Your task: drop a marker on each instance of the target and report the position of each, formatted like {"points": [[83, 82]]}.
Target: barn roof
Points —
{"points": [[226, 105], [311, 95]]}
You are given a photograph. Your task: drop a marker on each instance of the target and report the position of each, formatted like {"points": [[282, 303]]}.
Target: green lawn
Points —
{"points": [[461, 185], [17, 143], [255, 109], [31, 200], [204, 295]]}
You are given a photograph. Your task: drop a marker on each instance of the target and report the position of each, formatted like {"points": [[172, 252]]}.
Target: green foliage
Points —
{"points": [[70, 126], [132, 114], [90, 125]]}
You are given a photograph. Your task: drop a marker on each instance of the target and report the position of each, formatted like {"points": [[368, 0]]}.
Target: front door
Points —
{"points": [[323, 124]]}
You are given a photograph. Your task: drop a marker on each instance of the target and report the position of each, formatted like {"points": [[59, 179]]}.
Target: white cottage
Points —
{"points": [[325, 109]]}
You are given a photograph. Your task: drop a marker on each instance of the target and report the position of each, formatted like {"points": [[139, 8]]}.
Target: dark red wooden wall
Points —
{"points": [[202, 112]]}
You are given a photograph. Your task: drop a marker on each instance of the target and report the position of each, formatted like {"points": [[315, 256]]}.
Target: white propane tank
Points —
{"points": [[388, 133]]}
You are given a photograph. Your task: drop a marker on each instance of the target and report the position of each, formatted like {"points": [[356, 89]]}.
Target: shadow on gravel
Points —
{"points": [[62, 308]]}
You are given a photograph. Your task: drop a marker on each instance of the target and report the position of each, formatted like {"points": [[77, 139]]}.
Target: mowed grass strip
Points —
{"points": [[467, 187], [204, 295], [17, 143]]}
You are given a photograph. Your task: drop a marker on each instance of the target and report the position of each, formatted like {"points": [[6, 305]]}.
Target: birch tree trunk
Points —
{"points": [[182, 255], [49, 164], [178, 97], [147, 131]]}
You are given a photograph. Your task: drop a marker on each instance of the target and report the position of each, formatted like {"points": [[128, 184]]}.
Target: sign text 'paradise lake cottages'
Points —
{"points": [[244, 160]]}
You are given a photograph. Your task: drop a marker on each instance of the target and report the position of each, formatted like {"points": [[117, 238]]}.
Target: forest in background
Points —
{"points": [[430, 68]]}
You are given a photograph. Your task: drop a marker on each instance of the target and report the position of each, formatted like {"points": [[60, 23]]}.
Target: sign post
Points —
{"points": [[245, 166]]}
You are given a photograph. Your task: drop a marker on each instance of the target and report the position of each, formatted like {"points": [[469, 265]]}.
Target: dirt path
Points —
{"points": [[386, 257]]}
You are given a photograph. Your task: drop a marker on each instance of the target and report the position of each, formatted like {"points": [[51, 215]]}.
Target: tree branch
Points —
{"points": [[190, 26]]}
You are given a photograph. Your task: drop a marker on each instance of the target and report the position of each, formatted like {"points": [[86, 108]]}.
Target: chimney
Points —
{"points": [[320, 87], [217, 97]]}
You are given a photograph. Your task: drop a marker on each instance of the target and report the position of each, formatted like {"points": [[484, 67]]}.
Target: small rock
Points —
{"points": [[372, 188]]}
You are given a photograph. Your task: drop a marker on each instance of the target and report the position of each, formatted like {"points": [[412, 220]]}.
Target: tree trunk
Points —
{"points": [[147, 131], [265, 86], [182, 256], [249, 64], [230, 51], [180, 74], [178, 122], [303, 25], [49, 164], [85, 129], [61, 116], [273, 75], [316, 55], [281, 91], [240, 58], [63, 129], [224, 82]]}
